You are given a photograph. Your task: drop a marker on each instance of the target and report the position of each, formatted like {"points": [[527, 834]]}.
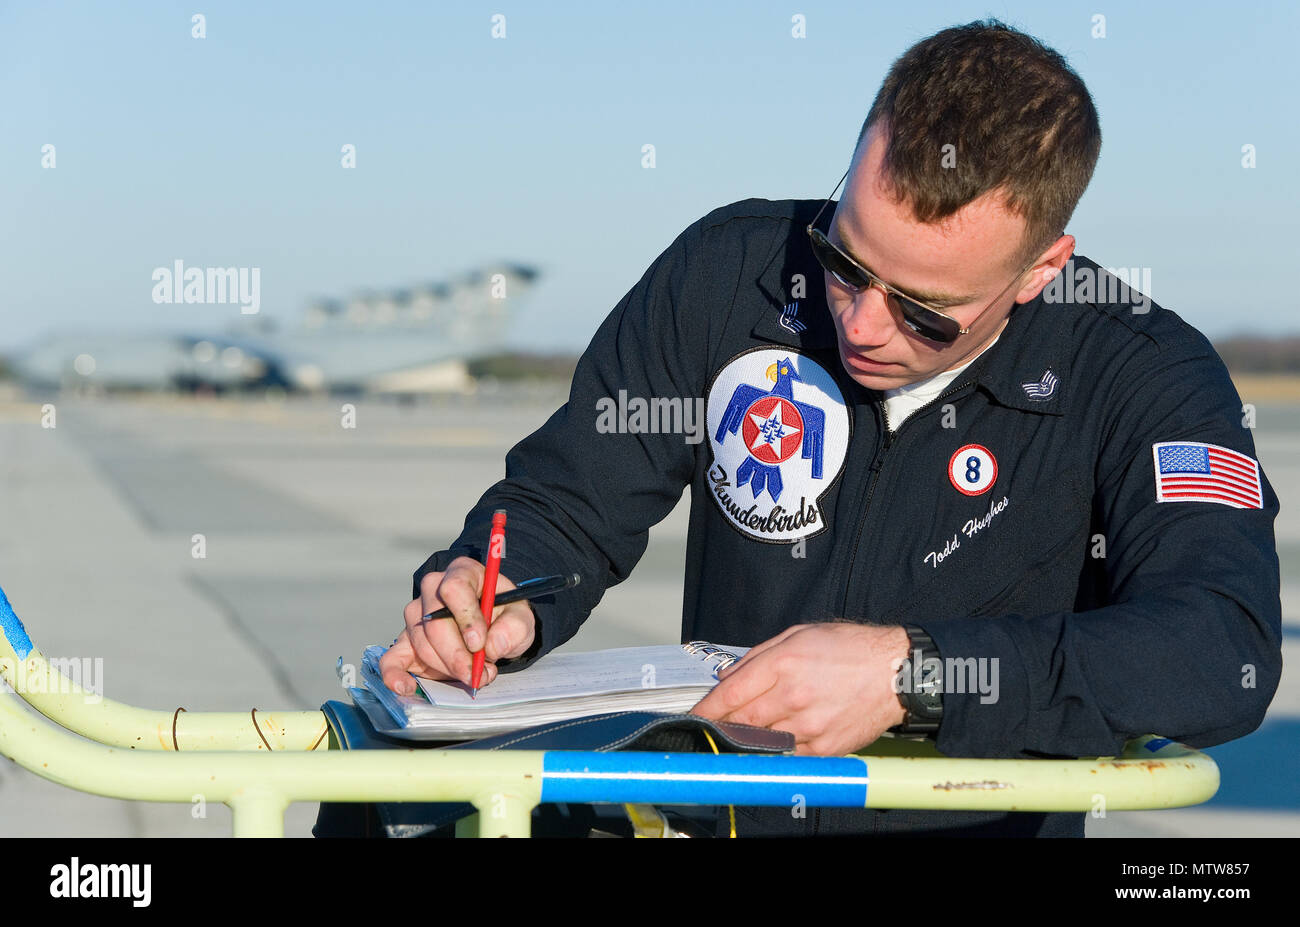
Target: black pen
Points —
{"points": [[528, 589]]}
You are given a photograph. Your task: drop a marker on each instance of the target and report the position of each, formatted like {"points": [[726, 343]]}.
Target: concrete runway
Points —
{"points": [[312, 531]]}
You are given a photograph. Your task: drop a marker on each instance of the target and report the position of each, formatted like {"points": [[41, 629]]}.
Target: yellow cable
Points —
{"points": [[730, 809], [647, 820]]}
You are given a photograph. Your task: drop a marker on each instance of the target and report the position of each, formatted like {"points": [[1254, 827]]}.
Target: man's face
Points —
{"points": [[958, 266]]}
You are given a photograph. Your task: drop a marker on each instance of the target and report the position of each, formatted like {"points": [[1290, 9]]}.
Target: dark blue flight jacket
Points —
{"points": [[1014, 518]]}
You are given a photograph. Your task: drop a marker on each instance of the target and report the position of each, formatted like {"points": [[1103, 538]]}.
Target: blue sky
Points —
{"points": [[226, 150]]}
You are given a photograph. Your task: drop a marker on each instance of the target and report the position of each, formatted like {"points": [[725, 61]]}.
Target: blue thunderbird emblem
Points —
{"points": [[773, 425]]}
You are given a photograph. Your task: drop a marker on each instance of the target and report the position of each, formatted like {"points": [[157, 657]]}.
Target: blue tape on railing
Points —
{"points": [[704, 779], [1154, 745], [13, 628]]}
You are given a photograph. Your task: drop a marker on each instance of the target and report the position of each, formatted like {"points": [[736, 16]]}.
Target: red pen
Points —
{"points": [[496, 547]]}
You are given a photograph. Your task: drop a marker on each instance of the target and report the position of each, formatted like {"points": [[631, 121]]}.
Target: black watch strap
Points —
{"points": [[921, 689]]}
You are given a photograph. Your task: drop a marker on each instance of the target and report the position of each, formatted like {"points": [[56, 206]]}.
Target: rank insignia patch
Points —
{"points": [[779, 430]]}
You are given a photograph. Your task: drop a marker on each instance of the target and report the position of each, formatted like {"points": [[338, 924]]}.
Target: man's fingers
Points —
{"points": [[759, 648], [460, 590], [417, 632], [392, 665], [740, 688], [511, 633], [441, 640], [767, 710], [397, 664], [445, 637], [451, 643]]}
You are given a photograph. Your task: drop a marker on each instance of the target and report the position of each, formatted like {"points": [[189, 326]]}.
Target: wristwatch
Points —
{"points": [[921, 692]]}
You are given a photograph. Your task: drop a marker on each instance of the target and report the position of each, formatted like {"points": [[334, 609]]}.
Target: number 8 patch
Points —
{"points": [[973, 469]]}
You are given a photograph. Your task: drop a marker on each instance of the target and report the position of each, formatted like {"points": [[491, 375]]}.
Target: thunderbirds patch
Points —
{"points": [[780, 432]]}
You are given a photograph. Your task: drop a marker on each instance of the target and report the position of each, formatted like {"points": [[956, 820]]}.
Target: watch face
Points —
{"points": [[924, 698], [929, 704]]}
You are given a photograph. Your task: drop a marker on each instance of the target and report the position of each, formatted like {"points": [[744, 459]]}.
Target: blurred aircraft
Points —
{"points": [[407, 341], [125, 362]]}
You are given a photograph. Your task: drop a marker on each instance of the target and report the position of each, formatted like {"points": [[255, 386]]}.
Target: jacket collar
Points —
{"points": [[803, 320], [1027, 368]]}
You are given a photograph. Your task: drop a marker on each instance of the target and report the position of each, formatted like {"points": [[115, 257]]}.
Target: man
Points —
{"points": [[932, 437]]}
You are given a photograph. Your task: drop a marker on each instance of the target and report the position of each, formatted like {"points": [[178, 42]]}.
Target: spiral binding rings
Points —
{"points": [[723, 659]]}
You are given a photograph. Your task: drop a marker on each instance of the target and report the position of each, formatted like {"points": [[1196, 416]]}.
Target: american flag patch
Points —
{"points": [[1189, 471]]}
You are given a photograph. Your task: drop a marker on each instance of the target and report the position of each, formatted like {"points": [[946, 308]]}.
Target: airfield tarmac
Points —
{"points": [[311, 533]]}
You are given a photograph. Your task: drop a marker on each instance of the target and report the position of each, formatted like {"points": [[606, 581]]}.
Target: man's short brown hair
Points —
{"points": [[1020, 119]]}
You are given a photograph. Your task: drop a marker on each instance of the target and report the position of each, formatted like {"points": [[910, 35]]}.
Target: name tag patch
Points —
{"points": [[972, 527]]}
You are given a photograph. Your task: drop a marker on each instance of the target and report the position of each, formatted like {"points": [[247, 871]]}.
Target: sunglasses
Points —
{"points": [[924, 319]]}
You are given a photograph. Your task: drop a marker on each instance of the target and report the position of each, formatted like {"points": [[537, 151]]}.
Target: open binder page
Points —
{"points": [[560, 686], [577, 675]]}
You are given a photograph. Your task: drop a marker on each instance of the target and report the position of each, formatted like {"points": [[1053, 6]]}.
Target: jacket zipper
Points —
{"points": [[877, 466]]}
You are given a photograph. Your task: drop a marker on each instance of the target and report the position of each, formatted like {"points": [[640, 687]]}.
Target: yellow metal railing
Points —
{"points": [[121, 754]]}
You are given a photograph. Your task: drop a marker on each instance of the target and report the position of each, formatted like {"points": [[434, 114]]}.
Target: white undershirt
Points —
{"points": [[903, 401]]}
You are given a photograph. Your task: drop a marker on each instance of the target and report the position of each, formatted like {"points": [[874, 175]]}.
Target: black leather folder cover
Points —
{"points": [[623, 730]]}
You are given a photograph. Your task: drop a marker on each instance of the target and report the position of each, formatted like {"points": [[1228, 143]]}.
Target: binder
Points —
{"points": [[662, 678]]}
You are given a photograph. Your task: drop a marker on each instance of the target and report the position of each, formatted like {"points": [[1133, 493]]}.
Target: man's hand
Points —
{"points": [[831, 685], [443, 648]]}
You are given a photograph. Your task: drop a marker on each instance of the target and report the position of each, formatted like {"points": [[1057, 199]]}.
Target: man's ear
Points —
{"points": [[1050, 263]]}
